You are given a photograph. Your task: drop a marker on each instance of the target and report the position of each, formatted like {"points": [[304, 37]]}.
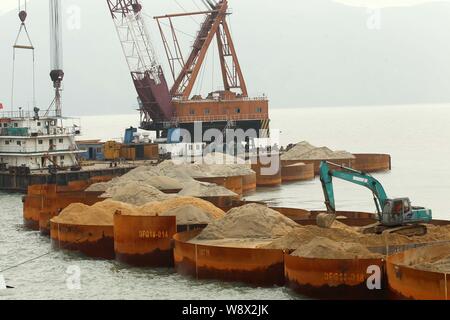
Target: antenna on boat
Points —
{"points": [[26, 46]]}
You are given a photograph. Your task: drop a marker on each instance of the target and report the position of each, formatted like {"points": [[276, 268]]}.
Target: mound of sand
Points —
{"points": [[342, 234], [220, 158], [187, 210], [203, 189], [100, 214], [250, 221], [441, 264], [134, 192], [324, 248], [100, 186], [159, 208], [189, 214], [306, 151]]}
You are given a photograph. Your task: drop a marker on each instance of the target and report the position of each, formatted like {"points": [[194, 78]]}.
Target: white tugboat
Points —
{"points": [[36, 141], [37, 147]]}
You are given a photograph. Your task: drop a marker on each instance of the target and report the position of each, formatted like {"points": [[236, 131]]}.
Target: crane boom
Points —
{"points": [[354, 176], [146, 71]]}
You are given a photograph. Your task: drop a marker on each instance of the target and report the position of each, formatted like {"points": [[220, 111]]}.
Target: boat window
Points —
{"points": [[238, 110], [40, 142], [16, 124], [258, 110], [5, 125], [19, 143], [60, 140], [61, 157], [6, 142], [38, 124]]}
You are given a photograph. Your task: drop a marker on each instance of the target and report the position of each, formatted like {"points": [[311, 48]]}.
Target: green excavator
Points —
{"points": [[393, 215]]}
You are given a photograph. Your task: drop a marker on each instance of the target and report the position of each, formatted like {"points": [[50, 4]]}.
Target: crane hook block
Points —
{"points": [[137, 7], [22, 16]]}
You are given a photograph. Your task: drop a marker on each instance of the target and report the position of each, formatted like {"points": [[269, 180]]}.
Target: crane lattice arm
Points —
{"points": [[146, 71]]}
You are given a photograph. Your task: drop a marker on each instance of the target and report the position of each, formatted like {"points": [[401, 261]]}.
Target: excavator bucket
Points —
{"points": [[325, 220]]}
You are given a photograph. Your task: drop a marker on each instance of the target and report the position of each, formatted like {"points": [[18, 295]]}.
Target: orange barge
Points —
{"points": [[297, 172], [144, 241], [335, 278], [93, 241], [44, 201], [257, 267], [407, 282], [365, 162]]}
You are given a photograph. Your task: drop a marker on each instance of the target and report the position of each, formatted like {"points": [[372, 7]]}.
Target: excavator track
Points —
{"points": [[414, 230]]}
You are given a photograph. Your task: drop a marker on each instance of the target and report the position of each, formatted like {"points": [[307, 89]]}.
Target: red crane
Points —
{"points": [[146, 72], [214, 25]]}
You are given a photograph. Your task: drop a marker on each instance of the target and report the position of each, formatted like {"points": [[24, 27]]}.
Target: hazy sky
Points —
{"points": [[299, 53]]}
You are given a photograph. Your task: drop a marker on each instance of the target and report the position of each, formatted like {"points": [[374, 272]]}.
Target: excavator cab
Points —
{"points": [[396, 212]]}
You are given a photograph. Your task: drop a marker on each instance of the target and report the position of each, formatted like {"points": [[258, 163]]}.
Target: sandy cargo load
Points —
{"points": [[344, 255], [88, 229], [420, 273], [227, 249], [144, 237]]}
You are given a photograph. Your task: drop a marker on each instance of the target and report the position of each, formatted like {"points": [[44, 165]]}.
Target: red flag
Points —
{"points": [[1, 106]]}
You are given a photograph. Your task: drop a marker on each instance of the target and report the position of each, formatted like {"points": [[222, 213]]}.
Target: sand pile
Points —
{"points": [[306, 151], [341, 233], [189, 214], [100, 186], [220, 158], [171, 176], [441, 264], [134, 192], [250, 221], [324, 248], [159, 208], [203, 189], [187, 210], [100, 214]]}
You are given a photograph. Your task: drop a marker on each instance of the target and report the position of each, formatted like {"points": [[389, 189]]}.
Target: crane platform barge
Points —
{"points": [[163, 109]]}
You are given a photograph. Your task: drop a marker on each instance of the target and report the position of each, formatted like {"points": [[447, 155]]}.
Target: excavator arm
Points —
{"points": [[353, 176]]}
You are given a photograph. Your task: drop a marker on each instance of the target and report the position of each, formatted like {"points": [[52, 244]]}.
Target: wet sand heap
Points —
{"points": [[134, 192], [188, 210], [172, 176], [100, 214], [252, 221], [441, 264], [204, 189], [347, 239], [325, 248], [306, 151]]}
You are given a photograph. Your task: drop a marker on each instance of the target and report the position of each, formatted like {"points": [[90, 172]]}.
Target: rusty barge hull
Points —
{"points": [[20, 183]]}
